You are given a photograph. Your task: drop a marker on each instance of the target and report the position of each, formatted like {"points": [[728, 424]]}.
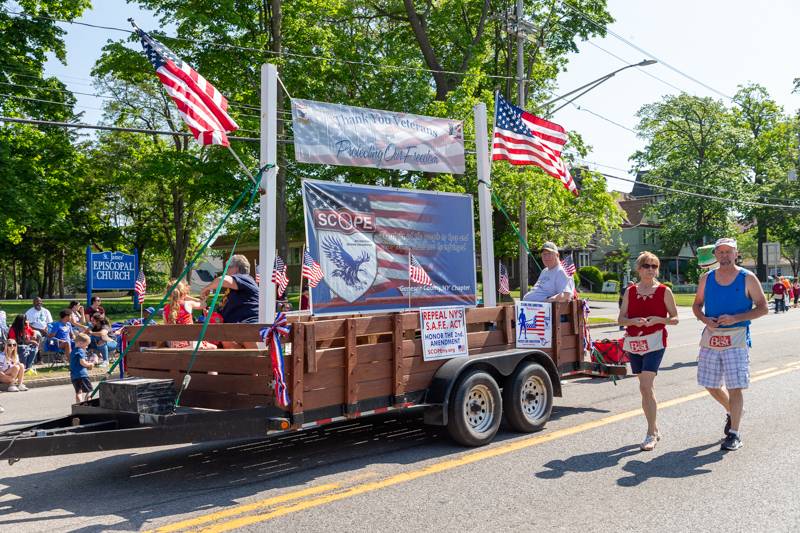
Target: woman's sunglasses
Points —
{"points": [[11, 344], [648, 265]]}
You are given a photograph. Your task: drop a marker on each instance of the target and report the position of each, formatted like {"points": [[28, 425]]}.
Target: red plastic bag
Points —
{"points": [[609, 351]]}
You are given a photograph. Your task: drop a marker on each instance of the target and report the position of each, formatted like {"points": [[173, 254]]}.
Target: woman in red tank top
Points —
{"points": [[647, 308]]}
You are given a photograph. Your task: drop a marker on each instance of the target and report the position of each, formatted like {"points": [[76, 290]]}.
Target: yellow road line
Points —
{"points": [[764, 371], [241, 509], [442, 466]]}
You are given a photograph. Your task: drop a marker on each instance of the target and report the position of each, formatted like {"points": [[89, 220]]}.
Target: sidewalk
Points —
{"points": [[33, 382]]}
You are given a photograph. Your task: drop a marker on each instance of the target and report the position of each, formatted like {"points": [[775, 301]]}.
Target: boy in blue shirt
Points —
{"points": [[62, 332], [78, 365]]}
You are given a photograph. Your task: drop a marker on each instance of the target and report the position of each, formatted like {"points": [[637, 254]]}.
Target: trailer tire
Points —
{"points": [[528, 398], [475, 411]]}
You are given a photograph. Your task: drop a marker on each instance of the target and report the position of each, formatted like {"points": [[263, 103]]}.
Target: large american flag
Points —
{"points": [[568, 265], [503, 286], [279, 276], [525, 139], [416, 273], [312, 271], [202, 107], [140, 287]]}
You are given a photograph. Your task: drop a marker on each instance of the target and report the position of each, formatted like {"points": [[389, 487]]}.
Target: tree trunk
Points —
{"points": [[761, 233], [61, 261], [180, 233], [418, 27]]}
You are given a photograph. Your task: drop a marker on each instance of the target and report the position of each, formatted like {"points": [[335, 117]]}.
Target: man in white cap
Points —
{"points": [[554, 284], [727, 300]]}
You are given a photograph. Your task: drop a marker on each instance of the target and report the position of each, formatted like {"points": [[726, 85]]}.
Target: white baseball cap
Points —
{"points": [[726, 241]]}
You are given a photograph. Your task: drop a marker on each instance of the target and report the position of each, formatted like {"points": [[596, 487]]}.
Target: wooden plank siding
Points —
{"points": [[329, 361]]}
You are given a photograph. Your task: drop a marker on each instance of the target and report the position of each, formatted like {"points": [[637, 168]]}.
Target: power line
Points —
{"points": [[598, 115], [49, 101], [586, 17]]}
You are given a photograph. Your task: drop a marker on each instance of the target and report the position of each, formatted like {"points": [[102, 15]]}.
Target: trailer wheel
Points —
{"points": [[476, 410], [528, 398]]}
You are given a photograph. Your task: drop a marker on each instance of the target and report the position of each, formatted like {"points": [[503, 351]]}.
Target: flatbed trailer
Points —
{"points": [[337, 368]]}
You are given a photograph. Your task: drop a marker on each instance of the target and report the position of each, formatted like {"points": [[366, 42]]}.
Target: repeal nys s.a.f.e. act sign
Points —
{"points": [[444, 332]]}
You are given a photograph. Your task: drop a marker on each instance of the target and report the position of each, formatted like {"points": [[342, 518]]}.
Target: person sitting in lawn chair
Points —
{"points": [[60, 335]]}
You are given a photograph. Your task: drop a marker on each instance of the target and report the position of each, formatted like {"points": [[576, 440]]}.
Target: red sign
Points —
{"points": [[720, 341]]}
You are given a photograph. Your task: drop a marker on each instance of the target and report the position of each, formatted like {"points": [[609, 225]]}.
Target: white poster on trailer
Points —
{"points": [[444, 332], [534, 325]]}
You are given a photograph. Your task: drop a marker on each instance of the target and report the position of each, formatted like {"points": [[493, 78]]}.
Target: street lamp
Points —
{"points": [[592, 84]]}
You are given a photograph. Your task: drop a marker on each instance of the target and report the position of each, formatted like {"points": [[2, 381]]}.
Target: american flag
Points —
{"points": [[140, 287], [258, 276], [568, 265], [279, 276], [536, 324], [525, 139], [311, 270], [503, 286], [416, 273], [202, 107]]}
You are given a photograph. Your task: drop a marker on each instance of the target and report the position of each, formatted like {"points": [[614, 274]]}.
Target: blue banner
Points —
{"points": [[111, 270], [364, 239]]}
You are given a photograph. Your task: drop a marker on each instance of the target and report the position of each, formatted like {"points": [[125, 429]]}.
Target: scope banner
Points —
{"points": [[335, 134], [111, 270], [362, 238]]}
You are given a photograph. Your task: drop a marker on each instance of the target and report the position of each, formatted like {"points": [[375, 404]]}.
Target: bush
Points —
{"points": [[591, 277], [577, 279], [610, 276]]}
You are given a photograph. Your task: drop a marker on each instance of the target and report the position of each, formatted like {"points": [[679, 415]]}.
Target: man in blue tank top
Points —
{"points": [[727, 299]]}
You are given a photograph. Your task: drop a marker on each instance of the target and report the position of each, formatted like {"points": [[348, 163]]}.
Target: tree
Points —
{"points": [[692, 146]]}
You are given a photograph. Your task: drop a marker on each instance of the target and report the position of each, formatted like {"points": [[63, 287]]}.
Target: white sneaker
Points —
{"points": [[12, 388], [22, 387]]}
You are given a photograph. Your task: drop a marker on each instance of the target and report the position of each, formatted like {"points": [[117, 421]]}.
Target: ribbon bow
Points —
{"points": [[271, 336]]}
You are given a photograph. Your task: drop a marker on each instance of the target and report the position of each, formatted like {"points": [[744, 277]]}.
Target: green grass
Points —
{"points": [[682, 300], [601, 320]]}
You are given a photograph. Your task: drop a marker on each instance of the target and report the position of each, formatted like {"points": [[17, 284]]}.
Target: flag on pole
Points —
{"points": [[140, 287], [312, 271], [201, 106], [279, 276], [503, 286], [258, 275], [416, 273], [525, 139], [568, 265]]}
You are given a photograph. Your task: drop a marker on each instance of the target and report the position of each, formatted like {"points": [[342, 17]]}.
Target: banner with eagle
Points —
{"points": [[363, 237]]}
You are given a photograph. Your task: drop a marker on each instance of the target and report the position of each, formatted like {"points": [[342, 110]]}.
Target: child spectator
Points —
{"points": [[27, 346], [78, 366], [61, 331], [11, 370]]}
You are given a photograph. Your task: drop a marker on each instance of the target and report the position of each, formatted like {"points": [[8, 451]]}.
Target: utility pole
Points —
{"points": [[523, 208]]}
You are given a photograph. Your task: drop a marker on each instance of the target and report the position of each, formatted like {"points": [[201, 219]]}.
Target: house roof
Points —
{"points": [[635, 212]]}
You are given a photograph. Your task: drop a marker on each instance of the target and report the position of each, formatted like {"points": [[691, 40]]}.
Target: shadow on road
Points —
{"points": [[588, 462], [563, 411], [680, 464], [676, 366]]}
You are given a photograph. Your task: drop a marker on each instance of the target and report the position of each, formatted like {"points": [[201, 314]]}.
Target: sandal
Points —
{"points": [[649, 442]]}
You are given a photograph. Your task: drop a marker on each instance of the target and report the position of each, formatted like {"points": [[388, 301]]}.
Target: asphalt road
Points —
{"points": [[584, 471]]}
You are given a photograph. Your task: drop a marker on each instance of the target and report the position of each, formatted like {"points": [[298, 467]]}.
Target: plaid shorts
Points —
{"points": [[733, 364]]}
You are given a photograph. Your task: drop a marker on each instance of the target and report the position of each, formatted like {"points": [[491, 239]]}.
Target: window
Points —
{"points": [[584, 259], [293, 254], [648, 236]]}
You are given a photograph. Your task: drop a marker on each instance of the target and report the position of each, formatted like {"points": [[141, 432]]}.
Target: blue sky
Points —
{"points": [[720, 43]]}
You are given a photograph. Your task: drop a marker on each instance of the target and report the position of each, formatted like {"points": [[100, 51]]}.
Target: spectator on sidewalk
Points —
{"points": [[27, 347], [778, 295], [100, 337], [78, 316], [796, 289], [94, 308], [39, 318], [79, 368], [11, 370], [61, 332]]}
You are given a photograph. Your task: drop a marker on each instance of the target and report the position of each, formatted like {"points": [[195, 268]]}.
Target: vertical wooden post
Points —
{"points": [[508, 324], [398, 389], [556, 316], [296, 394], [311, 348], [350, 385]]}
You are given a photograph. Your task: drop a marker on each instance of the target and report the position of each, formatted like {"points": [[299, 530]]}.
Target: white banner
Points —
{"points": [[444, 332], [334, 134], [534, 325]]}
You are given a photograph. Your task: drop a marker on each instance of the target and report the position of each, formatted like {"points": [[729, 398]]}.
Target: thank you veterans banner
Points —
{"points": [[336, 134], [363, 237]]}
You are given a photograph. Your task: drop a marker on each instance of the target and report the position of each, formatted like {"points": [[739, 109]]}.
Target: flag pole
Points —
{"points": [[409, 279], [246, 170]]}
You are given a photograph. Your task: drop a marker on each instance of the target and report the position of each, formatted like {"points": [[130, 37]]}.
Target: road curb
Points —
{"points": [[65, 380], [603, 325]]}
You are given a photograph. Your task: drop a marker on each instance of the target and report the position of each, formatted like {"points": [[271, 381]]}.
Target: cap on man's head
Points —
{"points": [[725, 241], [151, 310], [550, 247]]}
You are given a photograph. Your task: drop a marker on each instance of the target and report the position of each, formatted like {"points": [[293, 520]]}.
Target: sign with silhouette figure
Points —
{"points": [[363, 238], [534, 325]]}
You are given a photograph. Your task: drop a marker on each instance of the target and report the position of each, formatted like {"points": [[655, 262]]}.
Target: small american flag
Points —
{"points": [[311, 270], [279, 276], [568, 265], [202, 107], [525, 139], [536, 324], [416, 273], [140, 287], [258, 276], [503, 286]]}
